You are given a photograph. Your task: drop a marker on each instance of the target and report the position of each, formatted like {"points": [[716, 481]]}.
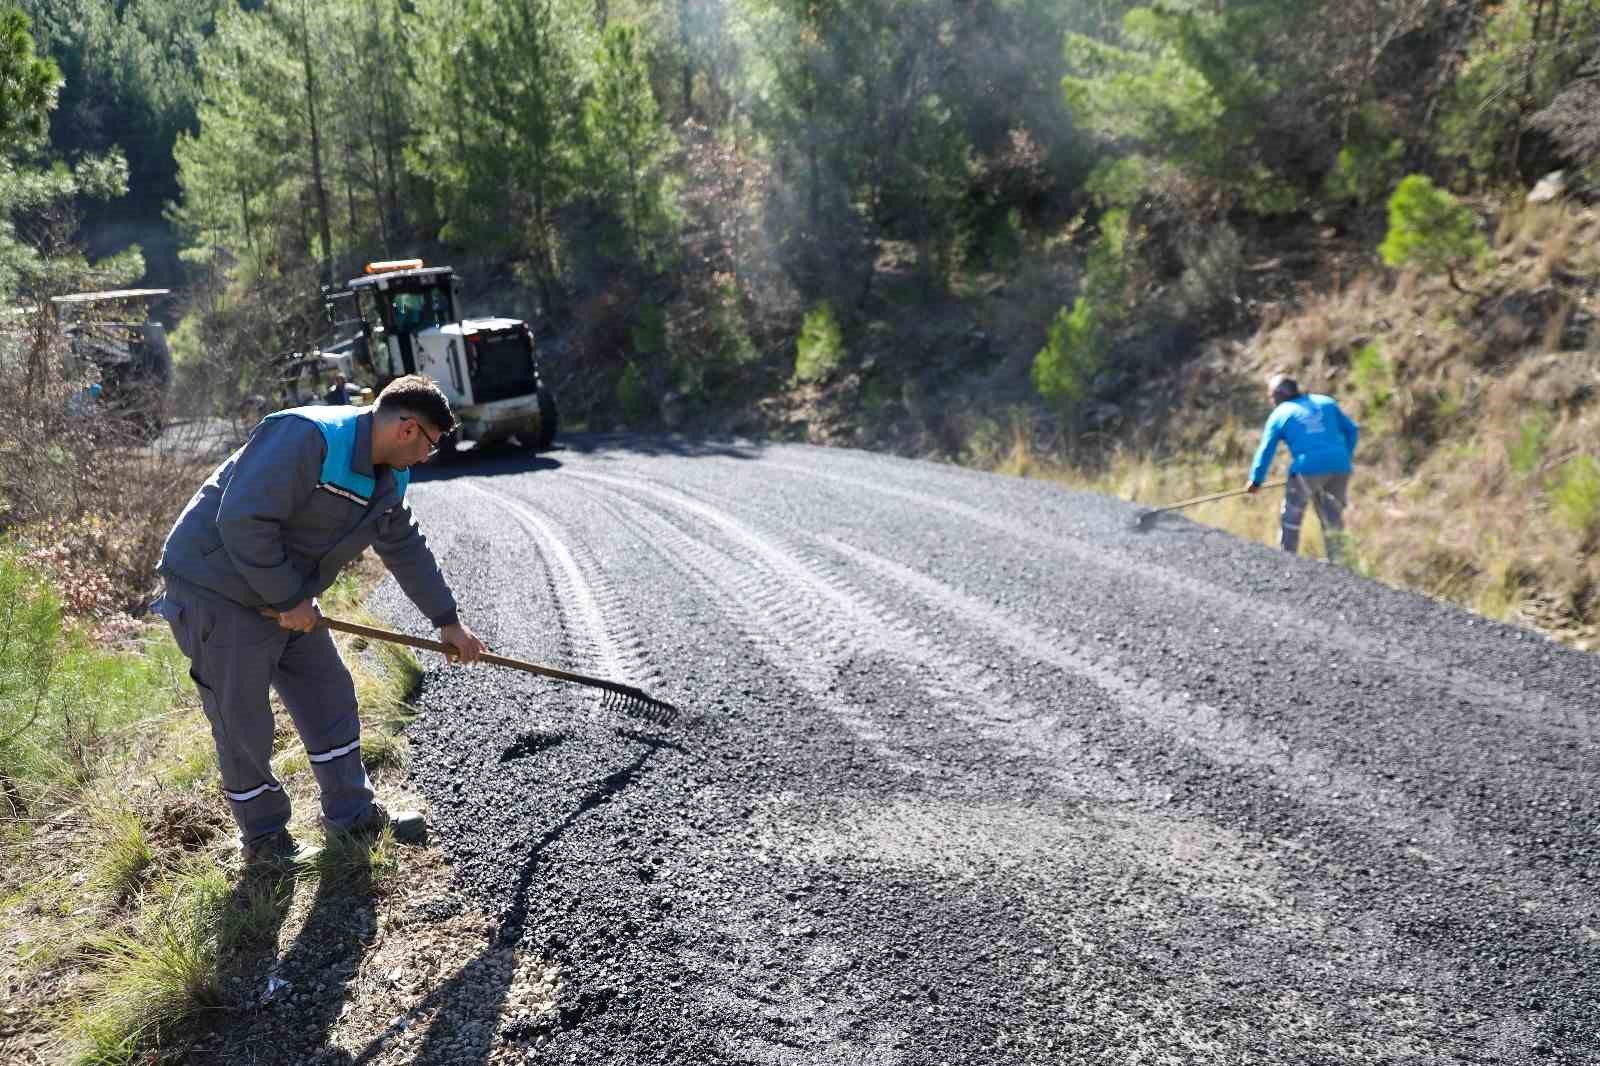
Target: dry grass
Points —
{"points": [[131, 914], [1478, 486]]}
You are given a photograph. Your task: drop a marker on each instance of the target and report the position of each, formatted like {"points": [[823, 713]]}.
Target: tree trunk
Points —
{"points": [[319, 187], [688, 67]]}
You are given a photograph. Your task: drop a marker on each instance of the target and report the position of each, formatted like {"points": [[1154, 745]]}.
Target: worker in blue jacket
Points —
{"points": [[1322, 443], [309, 491]]}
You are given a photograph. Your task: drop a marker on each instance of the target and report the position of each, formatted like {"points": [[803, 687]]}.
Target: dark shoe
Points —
{"points": [[278, 852], [408, 827]]}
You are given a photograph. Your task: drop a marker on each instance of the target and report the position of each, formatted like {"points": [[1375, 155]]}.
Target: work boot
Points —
{"points": [[408, 827], [277, 853]]}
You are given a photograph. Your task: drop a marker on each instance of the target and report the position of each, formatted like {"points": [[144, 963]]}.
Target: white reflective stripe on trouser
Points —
{"points": [[240, 797], [334, 753]]}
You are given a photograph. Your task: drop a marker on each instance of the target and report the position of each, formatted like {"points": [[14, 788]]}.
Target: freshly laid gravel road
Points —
{"points": [[969, 770]]}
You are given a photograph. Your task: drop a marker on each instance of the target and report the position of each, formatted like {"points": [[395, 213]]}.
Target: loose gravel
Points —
{"points": [[971, 771]]}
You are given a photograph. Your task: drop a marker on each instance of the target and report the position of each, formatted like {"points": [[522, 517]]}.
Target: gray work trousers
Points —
{"points": [[1328, 493], [234, 654]]}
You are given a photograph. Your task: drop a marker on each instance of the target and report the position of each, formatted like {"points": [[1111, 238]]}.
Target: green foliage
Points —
{"points": [[28, 83], [61, 698], [498, 124], [625, 142], [1520, 58], [1212, 261], [1370, 161], [735, 347], [1527, 452], [38, 195], [1078, 344], [1575, 495], [1373, 378], [819, 350], [124, 856], [633, 396], [1429, 230], [1120, 181], [155, 977], [1186, 85], [131, 85], [849, 105], [649, 332], [1074, 352]]}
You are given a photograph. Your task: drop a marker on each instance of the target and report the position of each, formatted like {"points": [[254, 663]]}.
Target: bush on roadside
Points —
{"points": [[1575, 496], [819, 351], [1429, 231], [62, 699]]}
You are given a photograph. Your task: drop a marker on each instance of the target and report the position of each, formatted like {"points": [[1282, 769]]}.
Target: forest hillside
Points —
{"points": [[1022, 234]]}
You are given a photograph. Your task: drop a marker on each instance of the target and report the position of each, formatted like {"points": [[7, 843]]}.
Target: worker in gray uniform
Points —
{"points": [[270, 529]]}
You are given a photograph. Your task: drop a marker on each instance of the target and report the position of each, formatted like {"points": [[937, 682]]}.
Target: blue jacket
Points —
{"points": [[276, 522], [1321, 438]]}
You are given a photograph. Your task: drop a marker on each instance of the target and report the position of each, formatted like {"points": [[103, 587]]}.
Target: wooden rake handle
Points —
{"points": [[392, 637], [1213, 496]]}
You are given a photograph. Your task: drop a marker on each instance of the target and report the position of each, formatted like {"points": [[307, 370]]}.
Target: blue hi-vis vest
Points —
{"points": [[339, 476]]}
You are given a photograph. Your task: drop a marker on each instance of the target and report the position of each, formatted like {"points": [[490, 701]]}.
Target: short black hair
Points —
{"points": [[1284, 387], [419, 397]]}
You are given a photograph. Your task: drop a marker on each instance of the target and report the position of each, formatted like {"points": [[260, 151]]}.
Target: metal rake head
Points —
{"points": [[1145, 521], [636, 703]]}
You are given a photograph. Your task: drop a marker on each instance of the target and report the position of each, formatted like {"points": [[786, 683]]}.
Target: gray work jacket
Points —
{"points": [[276, 522]]}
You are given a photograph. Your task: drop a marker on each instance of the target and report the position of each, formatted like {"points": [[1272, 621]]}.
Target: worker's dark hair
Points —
{"points": [[1284, 387], [415, 395]]}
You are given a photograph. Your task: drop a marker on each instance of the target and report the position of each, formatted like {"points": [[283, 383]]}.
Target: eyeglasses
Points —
{"points": [[433, 442]]}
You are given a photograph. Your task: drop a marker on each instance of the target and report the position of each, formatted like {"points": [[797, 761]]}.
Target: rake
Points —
{"points": [[1146, 520], [631, 701]]}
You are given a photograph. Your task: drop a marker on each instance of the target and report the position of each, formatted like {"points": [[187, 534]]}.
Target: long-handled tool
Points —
{"points": [[629, 700], [1147, 519]]}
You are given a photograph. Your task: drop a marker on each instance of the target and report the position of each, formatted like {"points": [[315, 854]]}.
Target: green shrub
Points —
{"points": [[1373, 378], [649, 332], [1212, 260], [820, 350], [633, 396], [61, 698], [1369, 163], [1575, 496], [1528, 451], [1074, 352], [1430, 231], [1078, 343]]}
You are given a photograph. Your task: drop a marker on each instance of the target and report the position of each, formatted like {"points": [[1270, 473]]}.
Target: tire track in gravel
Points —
{"points": [[810, 1021], [912, 836], [1488, 697], [1310, 776], [1229, 741], [788, 612], [602, 642], [1420, 751]]}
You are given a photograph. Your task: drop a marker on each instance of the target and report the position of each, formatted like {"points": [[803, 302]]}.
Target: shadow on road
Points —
{"points": [[477, 983], [503, 461], [497, 462], [660, 444]]}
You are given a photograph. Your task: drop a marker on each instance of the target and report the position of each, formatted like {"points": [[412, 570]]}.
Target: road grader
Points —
{"points": [[407, 321]]}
